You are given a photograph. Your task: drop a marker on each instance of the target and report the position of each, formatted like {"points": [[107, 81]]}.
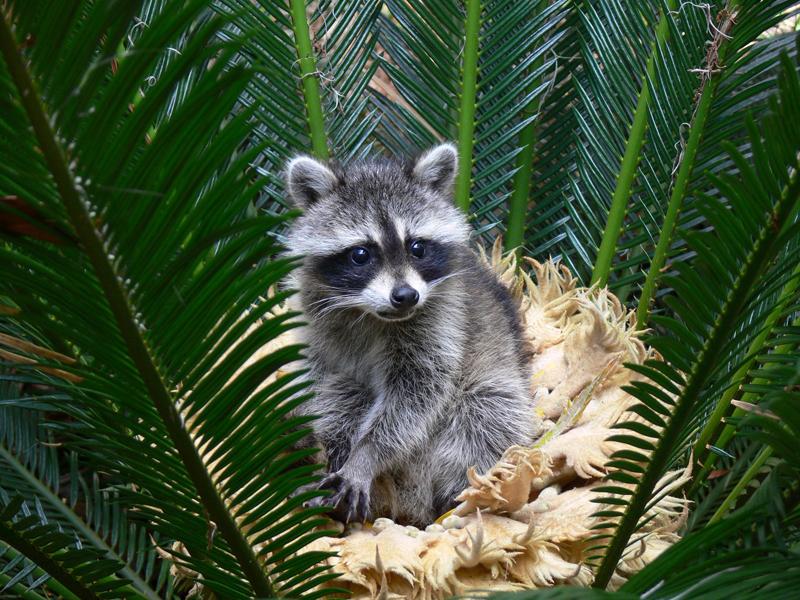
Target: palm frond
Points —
{"points": [[710, 564], [668, 90], [731, 465], [778, 313], [74, 571], [549, 228], [309, 93], [634, 142], [771, 421], [89, 510], [745, 86], [617, 42], [486, 97], [160, 275], [729, 56], [750, 550], [347, 37], [733, 259], [279, 121]]}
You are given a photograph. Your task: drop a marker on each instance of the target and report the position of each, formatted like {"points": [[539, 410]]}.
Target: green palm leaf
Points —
{"points": [[487, 99], [29, 467], [158, 280], [750, 550], [773, 382], [76, 572], [731, 56], [710, 565], [657, 121], [309, 93], [777, 423], [549, 228], [698, 342], [347, 38], [616, 41]]}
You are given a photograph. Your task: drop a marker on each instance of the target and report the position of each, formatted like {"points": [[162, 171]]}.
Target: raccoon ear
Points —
{"points": [[437, 167], [308, 180]]}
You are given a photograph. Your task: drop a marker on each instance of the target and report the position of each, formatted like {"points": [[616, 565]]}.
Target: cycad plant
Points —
{"points": [[651, 146]]}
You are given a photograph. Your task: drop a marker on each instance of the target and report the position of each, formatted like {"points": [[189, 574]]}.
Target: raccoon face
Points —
{"points": [[388, 277], [379, 237]]}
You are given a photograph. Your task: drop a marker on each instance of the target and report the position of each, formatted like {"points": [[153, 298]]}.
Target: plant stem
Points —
{"points": [[308, 76], [726, 505], [699, 119], [77, 209], [515, 231], [762, 253], [79, 524], [520, 195], [469, 90], [630, 161], [675, 203]]}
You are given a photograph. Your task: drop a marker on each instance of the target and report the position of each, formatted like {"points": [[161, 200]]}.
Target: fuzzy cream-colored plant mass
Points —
{"points": [[529, 522]]}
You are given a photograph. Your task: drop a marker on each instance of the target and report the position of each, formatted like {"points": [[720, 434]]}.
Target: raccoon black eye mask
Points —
{"points": [[415, 350], [350, 271]]}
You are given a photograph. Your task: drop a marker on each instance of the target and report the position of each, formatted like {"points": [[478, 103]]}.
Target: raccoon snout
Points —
{"points": [[404, 297]]}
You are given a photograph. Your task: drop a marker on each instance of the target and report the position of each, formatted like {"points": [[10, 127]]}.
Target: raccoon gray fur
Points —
{"points": [[418, 359]]}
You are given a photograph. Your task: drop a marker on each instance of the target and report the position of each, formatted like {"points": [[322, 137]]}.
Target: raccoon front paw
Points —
{"points": [[349, 500]]}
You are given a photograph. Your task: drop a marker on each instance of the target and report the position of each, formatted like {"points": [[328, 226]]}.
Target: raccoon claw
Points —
{"points": [[349, 501]]}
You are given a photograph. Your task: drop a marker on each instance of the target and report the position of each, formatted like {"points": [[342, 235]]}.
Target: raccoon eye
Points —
{"points": [[359, 255], [417, 248]]}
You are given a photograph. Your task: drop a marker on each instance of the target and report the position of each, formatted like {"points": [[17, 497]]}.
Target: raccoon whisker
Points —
{"points": [[330, 310], [323, 310], [336, 303], [358, 320], [341, 301], [330, 288], [433, 283], [329, 299], [441, 293], [437, 293]]}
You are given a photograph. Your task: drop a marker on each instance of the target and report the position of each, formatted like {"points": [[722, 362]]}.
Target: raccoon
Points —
{"points": [[419, 364]]}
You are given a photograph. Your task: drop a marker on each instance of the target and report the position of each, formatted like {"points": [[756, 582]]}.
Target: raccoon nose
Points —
{"points": [[404, 296]]}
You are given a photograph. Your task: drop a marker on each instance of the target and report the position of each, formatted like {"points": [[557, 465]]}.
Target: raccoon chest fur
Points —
{"points": [[413, 345]]}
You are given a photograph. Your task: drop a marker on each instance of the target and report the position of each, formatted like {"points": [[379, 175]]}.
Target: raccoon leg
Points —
{"points": [[340, 405], [412, 494], [483, 424], [395, 429]]}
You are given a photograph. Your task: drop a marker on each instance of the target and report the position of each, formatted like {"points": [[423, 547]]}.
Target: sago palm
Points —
{"points": [[651, 147]]}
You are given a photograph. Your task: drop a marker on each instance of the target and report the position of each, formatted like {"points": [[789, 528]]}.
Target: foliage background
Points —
{"points": [[642, 143]]}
